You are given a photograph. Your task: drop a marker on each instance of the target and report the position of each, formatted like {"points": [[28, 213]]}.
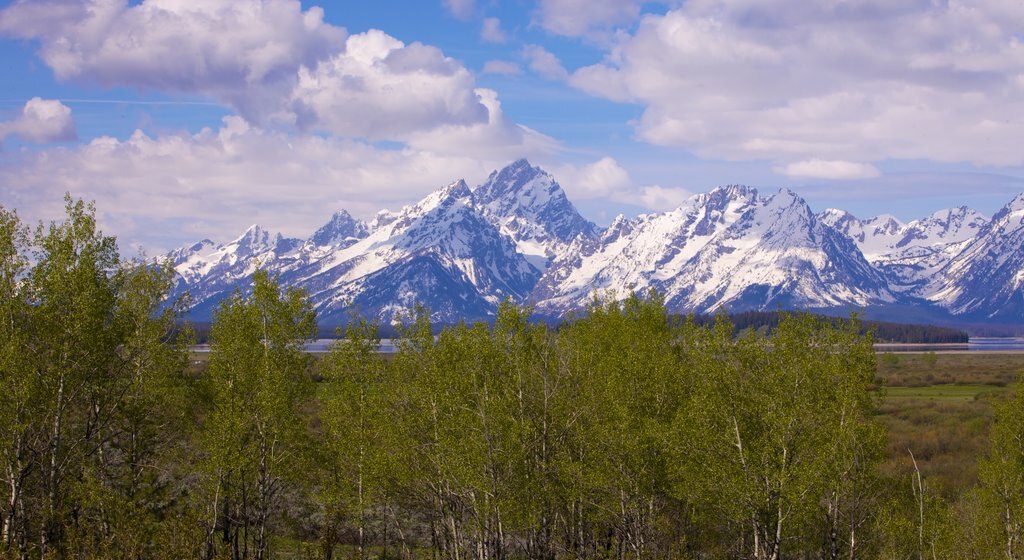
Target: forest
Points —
{"points": [[622, 433], [881, 331]]}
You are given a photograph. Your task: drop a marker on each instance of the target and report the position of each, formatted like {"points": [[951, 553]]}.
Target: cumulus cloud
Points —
{"points": [[829, 169], [586, 18], [603, 178], [606, 179], [268, 59], [847, 81], [163, 192], [660, 199], [544, 62], [380, 88], [502, 67], [491, 31], [41, 121], [497, 138], [243, 52]]}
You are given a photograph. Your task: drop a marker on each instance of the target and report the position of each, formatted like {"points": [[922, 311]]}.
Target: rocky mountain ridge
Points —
{"points": [[461, 251]]}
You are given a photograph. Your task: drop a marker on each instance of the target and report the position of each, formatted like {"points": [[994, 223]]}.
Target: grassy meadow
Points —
{"points": [[939, 406]]}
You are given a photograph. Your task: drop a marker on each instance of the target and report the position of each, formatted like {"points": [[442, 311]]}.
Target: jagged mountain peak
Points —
{"points": [[341, 230], [520, 189], [1014, 208], [200, 245], [255, 239], [986, 278], [528, 205], [452, 191], [620, 226], [510, 178], [835, 214], [721, 196], [462, 250], [887, 221]]}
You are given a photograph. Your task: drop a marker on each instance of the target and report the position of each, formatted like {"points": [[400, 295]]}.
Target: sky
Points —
{"points": [[186, 119]]}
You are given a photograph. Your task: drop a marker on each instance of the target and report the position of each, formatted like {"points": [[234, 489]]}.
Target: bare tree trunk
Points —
{"points": [[49, 535]]}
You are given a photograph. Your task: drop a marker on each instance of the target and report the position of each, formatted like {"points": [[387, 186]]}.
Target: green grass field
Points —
{"points": [[939, 406], [947, 392]]}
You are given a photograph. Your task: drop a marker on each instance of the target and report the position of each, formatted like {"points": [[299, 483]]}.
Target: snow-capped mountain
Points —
{"points": [[211, 272], [909, 254], [729, 248], [340, 232], [461, 251], [441, 252], [529, 206], [986, 279]]}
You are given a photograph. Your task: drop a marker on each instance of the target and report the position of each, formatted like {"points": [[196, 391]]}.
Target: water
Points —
{"points": [[387, 346], [976, 344], [997, 344], [318, 346]]}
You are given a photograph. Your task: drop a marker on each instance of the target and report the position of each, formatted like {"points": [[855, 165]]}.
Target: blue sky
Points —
{"points": [[186, 120]]}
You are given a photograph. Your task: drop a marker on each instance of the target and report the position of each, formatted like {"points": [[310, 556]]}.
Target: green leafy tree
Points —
{"points": [[254, 437], [84, 345], [17, 408], [356, 434], [1002, 474], [776, 431]]}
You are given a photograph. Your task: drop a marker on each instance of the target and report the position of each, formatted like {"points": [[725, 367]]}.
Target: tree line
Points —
{"points": [[882, 331], [624, 432]]}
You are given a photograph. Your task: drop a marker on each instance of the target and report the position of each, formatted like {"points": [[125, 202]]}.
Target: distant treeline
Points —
{"points": [[765, 321], [768, 321]]}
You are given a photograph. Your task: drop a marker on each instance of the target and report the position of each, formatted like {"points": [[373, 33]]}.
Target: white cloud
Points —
{"points": [[41, 120], [491, 31], [380, 88], [544, 63], [848, 81], [829, 169], [164, 192], [661, 199], [243, 52], [495, 139], [267, 59], [502, 67], [462, 9], [603, 178], [591, 18]]}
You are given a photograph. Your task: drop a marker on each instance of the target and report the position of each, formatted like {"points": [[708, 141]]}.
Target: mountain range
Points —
{"points": [[460, 251]]}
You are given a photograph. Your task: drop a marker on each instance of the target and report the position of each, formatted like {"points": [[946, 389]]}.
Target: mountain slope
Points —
{"points": [[910, 254], [986, 279], [528, 205], [441, 252], [727, 248], [461, 251]]}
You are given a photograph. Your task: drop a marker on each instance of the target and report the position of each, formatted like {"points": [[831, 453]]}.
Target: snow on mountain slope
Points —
{"points": [[985, 280], [730, 247], [777, 254], [441, 251], [461, 252], [211, 272], [633, 255], [909, 254], [529, 206], [341, 231]]}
